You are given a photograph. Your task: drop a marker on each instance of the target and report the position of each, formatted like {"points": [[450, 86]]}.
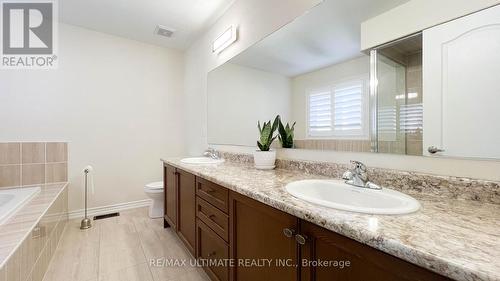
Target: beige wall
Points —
{"points": [[233, 110], [414, 16], [117, 103], [199, 61]]}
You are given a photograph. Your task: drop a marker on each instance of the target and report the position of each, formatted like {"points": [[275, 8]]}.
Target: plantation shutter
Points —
{"points": [[411, 118], [348, 107], [320, 113], [339, 110], [387, 122]]}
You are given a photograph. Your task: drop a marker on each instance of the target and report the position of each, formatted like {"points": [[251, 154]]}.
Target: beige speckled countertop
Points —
{"points": [[456, 238], [19, 226]]}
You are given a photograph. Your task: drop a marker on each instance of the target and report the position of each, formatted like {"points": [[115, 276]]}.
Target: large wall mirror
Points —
{"points": [[313, 72]]}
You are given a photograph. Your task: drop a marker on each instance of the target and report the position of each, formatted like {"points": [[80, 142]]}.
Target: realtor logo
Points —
{"points": [[28, 34]]}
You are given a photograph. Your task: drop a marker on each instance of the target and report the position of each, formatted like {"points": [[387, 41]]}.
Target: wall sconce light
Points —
{"points": [[228, 37]]}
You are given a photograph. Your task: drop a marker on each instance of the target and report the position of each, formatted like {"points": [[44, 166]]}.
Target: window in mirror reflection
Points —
{"points": [[339, 110]]}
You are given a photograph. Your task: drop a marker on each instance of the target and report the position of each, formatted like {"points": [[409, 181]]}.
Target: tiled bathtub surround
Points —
{"points": [[29, 238], [409, 182], [337, 145], [29, 163], [456, 238]]}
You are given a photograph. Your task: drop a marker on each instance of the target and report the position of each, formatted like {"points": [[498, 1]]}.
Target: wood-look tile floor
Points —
{"points": [[121, 249]]}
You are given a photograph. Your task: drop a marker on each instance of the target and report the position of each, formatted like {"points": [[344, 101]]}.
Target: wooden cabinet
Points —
{"points": [[328, 256], [212, 193], [213, 252], [180, 204], [216, 219], [170, 194], [186, 209], [256, 235], [263, 243]]}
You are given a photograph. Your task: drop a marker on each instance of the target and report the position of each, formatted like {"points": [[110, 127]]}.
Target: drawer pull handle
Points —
{"points": [[301, 239], [212, 216], [288, 232], [212, 254], [210, 190]]}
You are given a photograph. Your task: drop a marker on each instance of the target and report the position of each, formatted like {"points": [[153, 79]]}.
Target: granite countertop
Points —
{"points": [[456, 238], [19, 226]]}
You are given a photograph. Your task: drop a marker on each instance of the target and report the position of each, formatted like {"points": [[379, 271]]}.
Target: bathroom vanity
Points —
{"points": [[232, 211]]}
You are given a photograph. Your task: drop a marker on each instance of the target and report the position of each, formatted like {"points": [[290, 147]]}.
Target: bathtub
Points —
{"points": [[12, 200]]}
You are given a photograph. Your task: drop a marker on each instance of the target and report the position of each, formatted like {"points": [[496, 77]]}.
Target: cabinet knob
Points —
{"points": [[288, 232], [301, 239]]}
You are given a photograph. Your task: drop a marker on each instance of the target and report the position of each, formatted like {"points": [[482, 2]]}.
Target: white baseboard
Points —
{"points": [[95, 211]]}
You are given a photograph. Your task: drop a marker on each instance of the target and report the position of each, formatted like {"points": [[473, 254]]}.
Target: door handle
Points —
{"points": [[434, 150]]}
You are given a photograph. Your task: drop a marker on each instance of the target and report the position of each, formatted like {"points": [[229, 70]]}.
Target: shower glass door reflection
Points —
{"points": [[399, 97]]}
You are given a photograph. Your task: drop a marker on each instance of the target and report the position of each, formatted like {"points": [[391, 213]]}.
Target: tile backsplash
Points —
{"points": [[29, 163]]}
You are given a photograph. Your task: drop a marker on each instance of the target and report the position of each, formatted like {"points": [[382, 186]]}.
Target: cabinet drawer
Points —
{"points": [[212, 193], [212, 249], [213, 217]]}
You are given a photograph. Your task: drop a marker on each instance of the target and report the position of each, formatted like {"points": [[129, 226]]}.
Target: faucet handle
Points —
{"points": [[358, 166], [347, 175]]}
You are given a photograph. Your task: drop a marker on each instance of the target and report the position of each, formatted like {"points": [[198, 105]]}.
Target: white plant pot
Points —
{"points": [[264, 160]]}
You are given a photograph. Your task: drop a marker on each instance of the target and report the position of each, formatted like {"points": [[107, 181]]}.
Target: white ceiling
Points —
{"points": [[137, 19], [326, 35]]}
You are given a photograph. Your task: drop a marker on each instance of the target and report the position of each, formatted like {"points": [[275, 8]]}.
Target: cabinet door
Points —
{"points": [[461, 67], [170, 192], [186, 209], [365, 263], [256, 235], [212, 249]]}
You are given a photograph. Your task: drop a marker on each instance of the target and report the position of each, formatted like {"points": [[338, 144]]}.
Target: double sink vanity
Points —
{"points": [[247, 224]]}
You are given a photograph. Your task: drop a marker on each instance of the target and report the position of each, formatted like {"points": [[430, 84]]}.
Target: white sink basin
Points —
{"points": [[201, 160], [339, 195]]}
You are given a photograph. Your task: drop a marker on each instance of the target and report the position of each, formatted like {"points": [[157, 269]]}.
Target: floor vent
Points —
{"points": [[100, 217]]}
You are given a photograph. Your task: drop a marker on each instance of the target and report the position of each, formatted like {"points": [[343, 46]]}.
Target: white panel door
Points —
{"points": [[461, 86]]}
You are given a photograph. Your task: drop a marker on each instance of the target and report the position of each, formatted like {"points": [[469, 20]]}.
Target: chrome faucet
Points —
{"points": [[212, 153], [358, 176]]}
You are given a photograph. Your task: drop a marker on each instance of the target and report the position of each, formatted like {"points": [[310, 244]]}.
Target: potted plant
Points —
{"points": [[265, 157], [286, 134]]}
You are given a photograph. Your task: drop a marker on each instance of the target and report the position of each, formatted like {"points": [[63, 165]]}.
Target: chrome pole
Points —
{"points": [[86, 222], [373, 101]]}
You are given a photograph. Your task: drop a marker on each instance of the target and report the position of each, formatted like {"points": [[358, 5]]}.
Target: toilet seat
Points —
{"points": [[154, 187]]}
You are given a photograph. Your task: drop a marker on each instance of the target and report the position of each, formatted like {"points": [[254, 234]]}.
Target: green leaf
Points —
{"points": [[267, 133]]}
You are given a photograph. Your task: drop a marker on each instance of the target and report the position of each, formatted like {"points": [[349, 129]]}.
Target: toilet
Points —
{"points": [[154, 191]]}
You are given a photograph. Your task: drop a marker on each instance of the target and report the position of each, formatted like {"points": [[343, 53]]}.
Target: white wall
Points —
{"points": [[256, 19], [116, 101], [238, 97], [358, 67], [267, 17], [414, 16]]}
